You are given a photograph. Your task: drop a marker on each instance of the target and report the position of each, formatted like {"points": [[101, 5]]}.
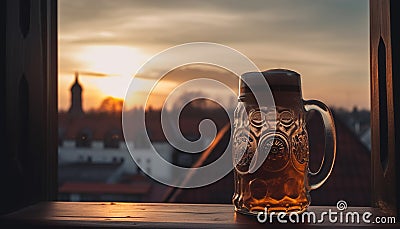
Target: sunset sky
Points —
{"points": [[327, 42]]}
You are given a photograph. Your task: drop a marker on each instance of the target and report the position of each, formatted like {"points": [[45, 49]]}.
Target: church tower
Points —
{"points": [[76, 98]]}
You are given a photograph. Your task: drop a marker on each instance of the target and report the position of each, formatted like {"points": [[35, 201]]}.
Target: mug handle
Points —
{"points": [[318, 178]]}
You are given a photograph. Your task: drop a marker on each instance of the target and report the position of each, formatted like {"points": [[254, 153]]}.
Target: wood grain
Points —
{"points": [[383, 177], [29, 153], [146, 215]]}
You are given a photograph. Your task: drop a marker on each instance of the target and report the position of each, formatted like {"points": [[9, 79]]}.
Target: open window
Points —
{"points": [[98, 56], [30, 103]]}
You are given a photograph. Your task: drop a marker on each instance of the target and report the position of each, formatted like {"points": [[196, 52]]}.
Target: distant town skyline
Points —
{"points": [[325, 41]]}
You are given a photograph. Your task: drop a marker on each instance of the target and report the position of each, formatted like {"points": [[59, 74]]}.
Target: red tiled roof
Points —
{"points": [[99, 125], [102, 188], [349, 181]]}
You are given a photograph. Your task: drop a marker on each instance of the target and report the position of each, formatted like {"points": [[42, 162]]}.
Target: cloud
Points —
{"points": [[94, 74], [321, 39], [196, 71], [175, 22]]}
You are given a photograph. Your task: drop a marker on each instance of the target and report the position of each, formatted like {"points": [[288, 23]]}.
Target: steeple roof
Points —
{"points": [[76, 85]]}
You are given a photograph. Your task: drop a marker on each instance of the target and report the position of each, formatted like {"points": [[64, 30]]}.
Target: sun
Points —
{"points": [[119, 63], [112, 59]]}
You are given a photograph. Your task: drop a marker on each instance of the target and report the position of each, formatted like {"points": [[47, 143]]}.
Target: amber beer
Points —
{"points": [[281, 182]]}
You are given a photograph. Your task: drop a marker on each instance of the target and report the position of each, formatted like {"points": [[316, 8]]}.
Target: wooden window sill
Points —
{"points": [[146, 215]]}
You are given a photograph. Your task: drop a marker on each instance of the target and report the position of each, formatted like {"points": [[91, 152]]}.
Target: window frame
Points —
{"points": [[44, 140]]}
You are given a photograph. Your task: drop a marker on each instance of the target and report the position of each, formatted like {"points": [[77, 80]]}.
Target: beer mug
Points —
{"points": [[283, 181]]}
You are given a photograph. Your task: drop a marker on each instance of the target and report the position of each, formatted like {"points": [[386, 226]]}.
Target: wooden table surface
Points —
{"points": [[149, 215]]}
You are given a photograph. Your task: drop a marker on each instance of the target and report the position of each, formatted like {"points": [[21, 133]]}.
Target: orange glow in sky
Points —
{"points": [[120, 63], [112, 59], [327, 42], [107, 71]]}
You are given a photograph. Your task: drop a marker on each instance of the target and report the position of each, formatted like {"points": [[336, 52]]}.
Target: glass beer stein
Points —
{"points": [[283, 181]]}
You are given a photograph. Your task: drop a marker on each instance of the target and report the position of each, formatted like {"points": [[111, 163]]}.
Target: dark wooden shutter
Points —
{"points": [[385, 93], [28, 102]]}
